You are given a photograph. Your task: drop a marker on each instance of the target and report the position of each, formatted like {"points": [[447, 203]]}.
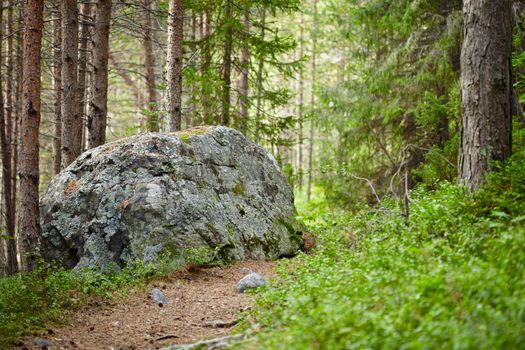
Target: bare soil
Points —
{"points": [[200, 300]]}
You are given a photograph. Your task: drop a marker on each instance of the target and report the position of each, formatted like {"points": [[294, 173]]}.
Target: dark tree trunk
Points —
{"points": [[70, 110], [152, 122], [486, 88], [7, 149], [98, 106], [174, 61], [57, 89], [83, 58], [29, 221], [12, 261], [227, 64]]}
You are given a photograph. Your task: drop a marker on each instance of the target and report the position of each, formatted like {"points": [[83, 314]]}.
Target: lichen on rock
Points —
{"points": [[136, 198]]}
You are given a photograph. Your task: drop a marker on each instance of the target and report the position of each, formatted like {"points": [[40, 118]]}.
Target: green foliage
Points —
{"points": [[397, 101], [451, 277], [200, 256]]}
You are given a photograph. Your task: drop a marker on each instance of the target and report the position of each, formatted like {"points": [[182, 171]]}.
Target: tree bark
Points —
{"points": [[83, 58], [245, 74], [258, 104], [7, 149], [29, 221], [191, 115], [300, 109], [174, 61], [486, 88], [149, 63], [98, 106], [57, 89], [312, 106], [205, 67], [71, 118], [227, 64]]}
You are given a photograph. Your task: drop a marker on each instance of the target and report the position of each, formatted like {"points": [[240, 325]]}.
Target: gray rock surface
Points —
{"points": [[159, 297], [251, 281], [206, 189]]}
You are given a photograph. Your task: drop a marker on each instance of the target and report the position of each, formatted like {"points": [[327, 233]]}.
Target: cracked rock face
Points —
{"points": [[206, 192]]}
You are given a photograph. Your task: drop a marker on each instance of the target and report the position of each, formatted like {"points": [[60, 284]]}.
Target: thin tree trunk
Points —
{"points": [[227, 64], [174, 69], [152, 122], [245, 73], [83, 58], [98, 106], [127, 79], [71, 117], [29, 221], [6, 161], [486, 88], [258, 105], [190, 117], [7, 150], [18, 102], [205, 67], [57, 89], [312, 107], [300, 166]]}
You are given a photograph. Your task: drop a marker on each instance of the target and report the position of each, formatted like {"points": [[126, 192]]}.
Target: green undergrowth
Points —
{"points": [[31, 302], [452, 277]]}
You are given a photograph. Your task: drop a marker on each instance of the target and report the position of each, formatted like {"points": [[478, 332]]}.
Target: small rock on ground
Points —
{"points": [[251, 281], [159, 297]]}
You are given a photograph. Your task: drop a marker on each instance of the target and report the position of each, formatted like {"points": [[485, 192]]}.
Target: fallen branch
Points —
{"points": [[217, 343]]}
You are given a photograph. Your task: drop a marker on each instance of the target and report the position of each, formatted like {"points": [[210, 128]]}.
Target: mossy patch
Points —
{"points": [[239, 189], [185, 135]]}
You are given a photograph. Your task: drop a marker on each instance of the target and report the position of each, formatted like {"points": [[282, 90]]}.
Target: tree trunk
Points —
{"points": [[128, 80], [205, 67], [486, 88], [83, 58], [245, 74], [5, 138], [258, 104], [29, 221], [227, 64], [71, 118], [98, 106], [149, 63], [174, 69], [191, 116], [18, 98], [57, 86], [7, 149], [312, 107], [300, 110]]}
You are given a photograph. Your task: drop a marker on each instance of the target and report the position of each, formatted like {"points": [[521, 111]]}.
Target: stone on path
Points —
{"points": [[159, 297], [251, 281]]}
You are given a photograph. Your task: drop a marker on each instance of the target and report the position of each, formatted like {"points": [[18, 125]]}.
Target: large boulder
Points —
{"points": [[202, 192]]}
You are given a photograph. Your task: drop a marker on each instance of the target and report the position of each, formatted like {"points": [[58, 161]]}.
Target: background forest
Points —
{"points": [[360, 103]]}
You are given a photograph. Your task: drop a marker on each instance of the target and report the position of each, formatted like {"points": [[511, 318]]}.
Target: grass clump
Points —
{"points": [[451, 278]]}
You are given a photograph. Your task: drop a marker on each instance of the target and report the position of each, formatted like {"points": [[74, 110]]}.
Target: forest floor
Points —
{"points": [[198, 299]]}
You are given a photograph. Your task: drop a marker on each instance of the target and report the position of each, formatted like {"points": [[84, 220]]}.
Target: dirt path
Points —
{"points": [[137, 322]]}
